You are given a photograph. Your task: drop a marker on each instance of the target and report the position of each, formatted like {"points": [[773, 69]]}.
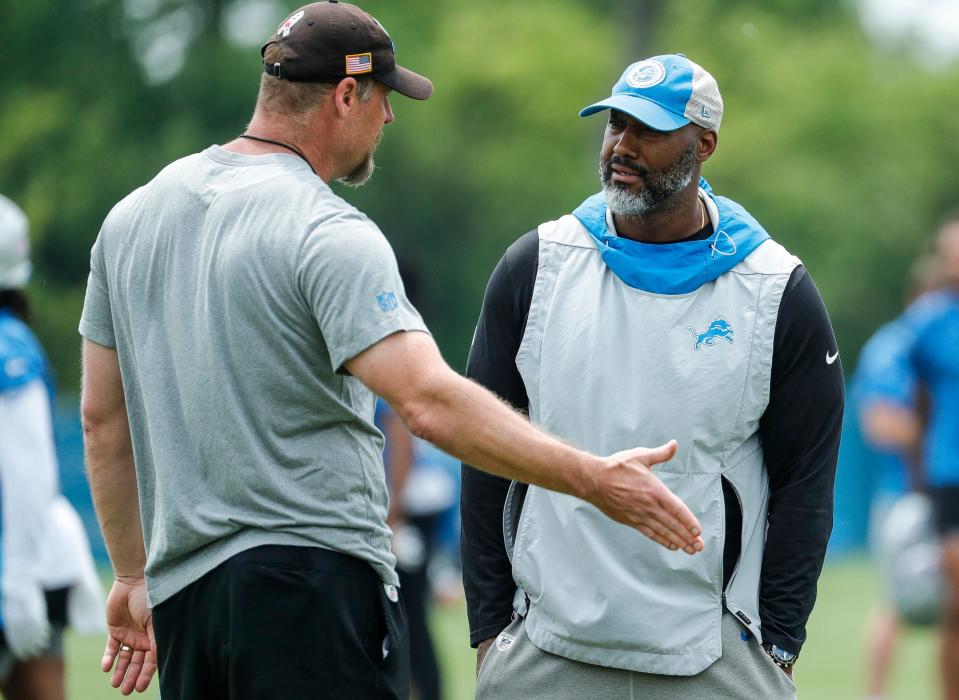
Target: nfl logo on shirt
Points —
{"points": [[387, 301]]}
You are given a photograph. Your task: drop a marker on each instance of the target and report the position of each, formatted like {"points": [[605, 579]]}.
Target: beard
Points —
{"points": [[660, 186], [362, 173]]}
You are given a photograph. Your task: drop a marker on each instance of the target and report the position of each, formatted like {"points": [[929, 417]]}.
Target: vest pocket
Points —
{"points": [[749, 484], [512, 512], [733, 527]]}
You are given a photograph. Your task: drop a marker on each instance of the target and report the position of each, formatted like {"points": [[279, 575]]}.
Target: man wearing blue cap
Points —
{"points": [[655, 309]]}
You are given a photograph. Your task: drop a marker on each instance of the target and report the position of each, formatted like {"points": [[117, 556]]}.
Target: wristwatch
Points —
{"points": [[782, 658]]}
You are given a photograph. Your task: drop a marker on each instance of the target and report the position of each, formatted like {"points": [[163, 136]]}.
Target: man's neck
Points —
{"points": [[667, 225], [280, 131]]}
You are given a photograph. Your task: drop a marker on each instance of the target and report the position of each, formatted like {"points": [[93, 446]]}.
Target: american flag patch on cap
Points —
{"points": [[359, 63]]}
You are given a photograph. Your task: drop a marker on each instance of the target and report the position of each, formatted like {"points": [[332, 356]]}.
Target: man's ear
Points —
{"points": [[707, 144], [345, 96]]}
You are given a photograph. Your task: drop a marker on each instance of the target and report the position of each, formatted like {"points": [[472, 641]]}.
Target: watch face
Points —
{"points": [[779, 654], [783, 655]]}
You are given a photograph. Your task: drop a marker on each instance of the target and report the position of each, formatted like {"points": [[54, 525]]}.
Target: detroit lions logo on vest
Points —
{"points": [[718, 329]]}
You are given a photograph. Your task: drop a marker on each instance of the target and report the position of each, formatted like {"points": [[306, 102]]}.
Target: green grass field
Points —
{"points": [[830, 669]]}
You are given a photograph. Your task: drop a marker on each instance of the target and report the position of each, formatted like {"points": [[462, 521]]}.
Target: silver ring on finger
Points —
{"points": [[126, 647]]}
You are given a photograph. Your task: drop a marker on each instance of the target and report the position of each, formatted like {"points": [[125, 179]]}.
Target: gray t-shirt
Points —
{"points": [[234, 287]]}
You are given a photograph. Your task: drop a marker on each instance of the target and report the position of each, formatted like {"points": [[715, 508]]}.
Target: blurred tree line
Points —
{"points": [[842, 150]]}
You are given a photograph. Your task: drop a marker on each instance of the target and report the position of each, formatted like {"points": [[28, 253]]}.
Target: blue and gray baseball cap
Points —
{"points": [[666, 93]]}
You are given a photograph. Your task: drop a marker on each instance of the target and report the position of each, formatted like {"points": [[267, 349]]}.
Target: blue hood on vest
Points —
{"points": [[675, 268]]}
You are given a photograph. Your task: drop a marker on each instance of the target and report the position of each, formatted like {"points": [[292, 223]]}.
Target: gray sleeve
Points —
{"points": [[96, 321], [348, 275]]}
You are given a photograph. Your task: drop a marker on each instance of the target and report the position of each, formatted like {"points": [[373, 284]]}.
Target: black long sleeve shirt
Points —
{"points": [[799, 429]]}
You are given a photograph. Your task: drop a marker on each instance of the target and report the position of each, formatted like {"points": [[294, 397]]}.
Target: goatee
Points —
{"points": [[660, 188], [361, 174]]}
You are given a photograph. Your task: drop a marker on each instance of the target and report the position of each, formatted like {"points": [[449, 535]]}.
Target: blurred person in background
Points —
{"points": [[657, 305], [421, 492], [932, 348], [885, 394], [47, 576]]}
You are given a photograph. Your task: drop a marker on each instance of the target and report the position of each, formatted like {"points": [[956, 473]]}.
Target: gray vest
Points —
{"points": [[609, 367]]}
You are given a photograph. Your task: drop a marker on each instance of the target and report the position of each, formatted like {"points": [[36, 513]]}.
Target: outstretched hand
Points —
{"points": [[131, 651], [628, 492]]}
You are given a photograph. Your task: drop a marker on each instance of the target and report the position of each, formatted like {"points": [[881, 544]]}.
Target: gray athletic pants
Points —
{"points": [[517, 669]]}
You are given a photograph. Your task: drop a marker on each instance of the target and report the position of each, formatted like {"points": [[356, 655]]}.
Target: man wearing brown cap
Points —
{"points": [[239, 318]]}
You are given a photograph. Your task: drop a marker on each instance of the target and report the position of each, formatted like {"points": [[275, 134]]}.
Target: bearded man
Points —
{"points": [[239, 320], [656, 308]]}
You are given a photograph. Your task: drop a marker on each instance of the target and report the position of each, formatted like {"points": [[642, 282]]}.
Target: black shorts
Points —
{"points": [[290, 623], [945, 505]]}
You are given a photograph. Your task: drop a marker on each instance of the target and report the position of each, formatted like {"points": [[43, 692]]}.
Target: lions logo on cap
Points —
{"points": [[285, 28], [647, 74]]}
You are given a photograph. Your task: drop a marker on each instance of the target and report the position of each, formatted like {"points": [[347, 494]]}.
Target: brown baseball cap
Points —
{"points": [[329, 41]]}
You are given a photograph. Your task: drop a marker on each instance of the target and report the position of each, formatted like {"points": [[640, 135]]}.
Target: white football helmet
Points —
{"points": [[14, 246], [911, 547]]}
